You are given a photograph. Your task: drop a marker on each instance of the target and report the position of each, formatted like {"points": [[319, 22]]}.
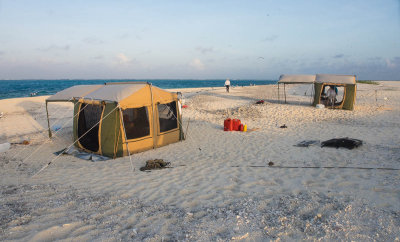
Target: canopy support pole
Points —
{"points": [[48, 121], [279, 101], [284, 90], [153, 114], [126, 138], [312, 94]]}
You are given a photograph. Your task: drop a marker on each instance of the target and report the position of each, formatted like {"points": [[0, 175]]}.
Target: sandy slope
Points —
{"points": [[220, 186]]}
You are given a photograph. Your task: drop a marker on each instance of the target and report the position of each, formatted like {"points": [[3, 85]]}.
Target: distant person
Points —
{"points": [[227, 85], [331, 95]]}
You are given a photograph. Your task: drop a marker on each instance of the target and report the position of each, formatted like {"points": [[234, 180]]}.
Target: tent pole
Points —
{"points": [[278, 94], [154, 122], [126, 138], [180, 120], [284, 90], [312, 94], [48, 121], [116, 140]]}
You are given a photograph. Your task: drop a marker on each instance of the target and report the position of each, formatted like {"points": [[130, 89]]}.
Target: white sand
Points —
{"points": [[221, 187]]}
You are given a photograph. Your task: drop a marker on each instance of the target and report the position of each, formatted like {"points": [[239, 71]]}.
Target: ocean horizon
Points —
{"points": [[38, 87]]}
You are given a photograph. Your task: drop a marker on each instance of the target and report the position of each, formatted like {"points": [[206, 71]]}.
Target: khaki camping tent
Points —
{"points": [[118, 119], [347, 94]]}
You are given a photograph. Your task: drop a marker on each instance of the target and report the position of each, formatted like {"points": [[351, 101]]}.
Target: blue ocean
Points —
{"points": [[27, 88]]}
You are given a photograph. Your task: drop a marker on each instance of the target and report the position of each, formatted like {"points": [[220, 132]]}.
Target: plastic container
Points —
{"points": [[228, 124], [241, 127], [245, 128], [236, 124]]}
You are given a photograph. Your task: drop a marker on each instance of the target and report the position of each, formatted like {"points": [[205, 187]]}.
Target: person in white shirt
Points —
{"points": [[227, 84], [331, 96]]}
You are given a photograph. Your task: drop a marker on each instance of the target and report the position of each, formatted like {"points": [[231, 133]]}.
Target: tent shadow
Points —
{"points": [[295, 103]]}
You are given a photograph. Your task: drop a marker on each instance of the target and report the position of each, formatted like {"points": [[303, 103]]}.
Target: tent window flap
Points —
{"points": [[136, 122], [167, 116]]}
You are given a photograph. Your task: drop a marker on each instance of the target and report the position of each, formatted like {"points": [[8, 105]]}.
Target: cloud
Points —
{"points": [[123, 59], [128, 36], [338, 56], [393, 63], [123, 36], [373, 69], [93, 41], [197, 64], [205, 50], [270, 38], [146, 52], [55, 47], [51, 61], [376, 58], [98, 57], [2, 52]]}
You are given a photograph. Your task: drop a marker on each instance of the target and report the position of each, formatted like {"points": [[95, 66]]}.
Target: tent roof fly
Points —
{"points": [[318, 78], [114, 93], [108, 92], [72, 92], [339, 79], [299, 79]]}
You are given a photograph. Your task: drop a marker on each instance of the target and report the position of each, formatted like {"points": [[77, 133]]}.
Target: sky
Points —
{"points": [[208, 39]]}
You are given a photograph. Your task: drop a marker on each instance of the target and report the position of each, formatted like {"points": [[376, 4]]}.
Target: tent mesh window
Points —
{"points": [[89, 119], [167, 116], [136, 122], [340, 92]]}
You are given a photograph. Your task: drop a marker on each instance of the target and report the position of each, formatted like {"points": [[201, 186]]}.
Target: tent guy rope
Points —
{"points": [[48, 140], [45, 166], [322, 167]]}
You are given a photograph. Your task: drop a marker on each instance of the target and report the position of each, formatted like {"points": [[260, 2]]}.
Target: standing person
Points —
{"points": [[227, 84], [331, 94]]}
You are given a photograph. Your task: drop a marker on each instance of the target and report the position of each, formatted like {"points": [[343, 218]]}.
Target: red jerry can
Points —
{"points": [[241, 127], [228, 125], [236, 124]]}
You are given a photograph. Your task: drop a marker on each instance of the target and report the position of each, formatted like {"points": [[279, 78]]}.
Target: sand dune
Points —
{"points": [[220, 186]]}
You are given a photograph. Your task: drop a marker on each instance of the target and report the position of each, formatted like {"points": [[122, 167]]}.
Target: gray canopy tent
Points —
{"points": [[294, 79]]}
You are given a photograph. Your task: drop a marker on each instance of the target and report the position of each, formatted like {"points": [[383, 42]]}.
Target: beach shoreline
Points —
{"points": [[220, 186]]}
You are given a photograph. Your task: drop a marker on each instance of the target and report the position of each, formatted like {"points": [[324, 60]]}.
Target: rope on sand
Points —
{"points": [[323, 167], [313, 167]]}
